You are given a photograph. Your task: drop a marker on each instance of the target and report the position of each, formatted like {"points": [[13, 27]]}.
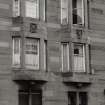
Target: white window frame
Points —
{"points": [[62, 56], [83, 15], [62, 14], [29, 11], [16, 8], [33, 57], [76, 63], [16, 57]]}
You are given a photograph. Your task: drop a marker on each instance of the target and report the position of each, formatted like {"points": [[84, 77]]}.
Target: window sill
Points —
{"points": [[77, 78], [17, 19], [27, 74], [32, 19], [65, 25], [16, 67], [78, 26], [67, 74], [84, 72]]}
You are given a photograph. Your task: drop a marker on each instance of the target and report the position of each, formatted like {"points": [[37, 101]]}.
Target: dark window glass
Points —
{"points": [[36, 99], [30, 98], [76, 51], [23, 98], [78, 12], [82, 98], [75, 98], [72, 98]]}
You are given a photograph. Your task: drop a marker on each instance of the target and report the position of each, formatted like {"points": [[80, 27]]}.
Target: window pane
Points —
{"points": [[78, 12], [79, 58], [72, 98], [65, 57], [79, 16], [16, 45], [32, 9], [44, 9], [78, 49], [16, 8], [30, 97], [64, 11], [23, 98], [36, 99], [74, 4], [82, 98], [16, 51], [32, 53]]}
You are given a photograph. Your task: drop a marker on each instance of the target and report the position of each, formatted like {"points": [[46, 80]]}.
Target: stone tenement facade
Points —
{"points": [[52, 52]]}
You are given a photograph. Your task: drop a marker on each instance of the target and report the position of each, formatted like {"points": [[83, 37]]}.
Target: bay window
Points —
{"points": [[78, 12], [16, 51], [29, 52], [64, 12], [32, 8], [32, 53], [79, 57], [65, 56]]}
